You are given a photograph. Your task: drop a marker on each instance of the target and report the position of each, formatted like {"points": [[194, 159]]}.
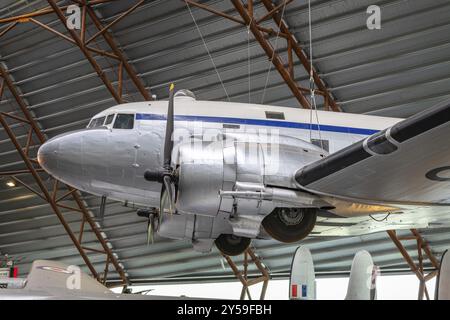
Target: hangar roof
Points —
{"points": [[396, 71]]}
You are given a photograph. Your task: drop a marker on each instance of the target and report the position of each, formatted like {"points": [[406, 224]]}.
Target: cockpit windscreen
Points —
{"points": [[124, 121], [96, 122]]}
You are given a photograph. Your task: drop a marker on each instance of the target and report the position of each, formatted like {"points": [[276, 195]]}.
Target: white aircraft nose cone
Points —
{"points": [[61, 156], [47, 156]]}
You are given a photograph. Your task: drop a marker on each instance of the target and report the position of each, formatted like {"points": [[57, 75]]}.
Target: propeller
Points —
{"points": [[166, 174], [150, 229], [153, 221]]}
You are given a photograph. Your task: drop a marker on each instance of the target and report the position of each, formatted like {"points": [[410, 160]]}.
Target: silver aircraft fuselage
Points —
{"points": [[111, 162], [241, 168]]}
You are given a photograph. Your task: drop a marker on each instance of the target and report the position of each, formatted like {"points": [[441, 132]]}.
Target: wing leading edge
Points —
{"points": [[406, 163]]}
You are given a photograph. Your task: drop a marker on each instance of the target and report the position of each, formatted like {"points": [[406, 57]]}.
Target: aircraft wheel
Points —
{"points": [[232, 245], [290, 224]]}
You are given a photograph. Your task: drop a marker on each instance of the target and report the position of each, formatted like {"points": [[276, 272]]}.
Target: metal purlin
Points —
{"points": [[260, 33], [417, 269], [50, 194]]}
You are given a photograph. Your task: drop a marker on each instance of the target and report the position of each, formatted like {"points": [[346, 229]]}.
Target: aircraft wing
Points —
{"points": [[52, 280], [53, 276], [407, 163]]}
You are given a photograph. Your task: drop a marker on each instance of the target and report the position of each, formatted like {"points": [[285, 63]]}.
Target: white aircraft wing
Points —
{"points": [[51, 280], [56, 276], [409, 163]]}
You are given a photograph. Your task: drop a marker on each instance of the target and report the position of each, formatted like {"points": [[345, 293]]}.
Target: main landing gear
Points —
{"points": [[232, 245], [290, 224]]}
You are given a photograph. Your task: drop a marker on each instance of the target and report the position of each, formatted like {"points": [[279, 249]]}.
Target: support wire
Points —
{"points": [[207, 50], [312, 83]]}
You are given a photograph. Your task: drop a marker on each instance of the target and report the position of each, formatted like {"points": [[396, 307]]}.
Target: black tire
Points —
{"points": [[232, 245], [290, 224]]}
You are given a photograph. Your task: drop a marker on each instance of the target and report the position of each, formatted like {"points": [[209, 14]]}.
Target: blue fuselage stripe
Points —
{"points": [[259, 122]]}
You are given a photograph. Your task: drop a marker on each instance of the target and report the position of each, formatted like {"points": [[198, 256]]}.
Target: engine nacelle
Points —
{"points": [[208, 169], [200, 176]]}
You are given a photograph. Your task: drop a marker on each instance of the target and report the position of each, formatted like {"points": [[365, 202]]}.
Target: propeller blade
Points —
{"points": [[162, 201], [101, 214], [168, 143], [149, 232], [169, 191], [159, 174]]}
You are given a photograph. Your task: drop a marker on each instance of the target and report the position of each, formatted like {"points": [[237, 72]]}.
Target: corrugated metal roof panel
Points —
{"points": [[396, 71]]}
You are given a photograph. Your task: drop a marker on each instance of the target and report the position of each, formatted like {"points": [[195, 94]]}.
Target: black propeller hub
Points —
{"points": [[156, 175]]}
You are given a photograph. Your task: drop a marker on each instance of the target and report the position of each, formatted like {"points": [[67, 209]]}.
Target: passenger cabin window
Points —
{"points": [[109, 119], [124, 121], [231, 126], [96, 122], [275, 115]]}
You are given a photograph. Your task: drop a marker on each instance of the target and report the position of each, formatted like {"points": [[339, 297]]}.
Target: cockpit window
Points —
{"points": [[124, 121], [96, 122], [109, 119]]}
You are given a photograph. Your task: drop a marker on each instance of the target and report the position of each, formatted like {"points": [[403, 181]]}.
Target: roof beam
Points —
{"points": [[86, 52], [115, 48], [43, 12], [286, 70], [78, 39], [300, 53], [417, 269], [49, 195], [271, 53]]}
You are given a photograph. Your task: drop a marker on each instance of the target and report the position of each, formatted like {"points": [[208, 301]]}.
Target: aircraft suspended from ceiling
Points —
{"points": [[227, 173]]}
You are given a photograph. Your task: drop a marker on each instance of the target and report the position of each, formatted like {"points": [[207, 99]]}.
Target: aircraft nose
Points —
{"points": [[47, 156], [61, 156]]}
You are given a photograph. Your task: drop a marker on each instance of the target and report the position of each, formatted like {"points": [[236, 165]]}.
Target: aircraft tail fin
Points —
{"points": [[302, 284], [47, 275], [443, 280], [362, 282]]}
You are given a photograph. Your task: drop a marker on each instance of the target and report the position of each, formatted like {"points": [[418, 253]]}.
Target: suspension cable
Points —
{"points": [[249, 60], [312, 84], [207, 50], [273, 53]]}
